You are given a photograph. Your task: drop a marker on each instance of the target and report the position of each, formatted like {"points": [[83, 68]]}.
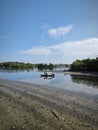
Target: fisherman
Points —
{"points": [[45, 73]]}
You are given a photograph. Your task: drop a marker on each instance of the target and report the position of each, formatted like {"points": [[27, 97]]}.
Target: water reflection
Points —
{"points": [[75, 83], [47, 78], [86, 80]]}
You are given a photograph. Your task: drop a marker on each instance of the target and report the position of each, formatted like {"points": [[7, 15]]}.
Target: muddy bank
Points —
{"points": [[95, 74], [31, 107]]}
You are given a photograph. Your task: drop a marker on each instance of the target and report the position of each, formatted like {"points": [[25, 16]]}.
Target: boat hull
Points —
{"points": [[47, 75]]}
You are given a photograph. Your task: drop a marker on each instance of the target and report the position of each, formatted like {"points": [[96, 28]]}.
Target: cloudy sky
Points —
{"points": [[48, 31]]}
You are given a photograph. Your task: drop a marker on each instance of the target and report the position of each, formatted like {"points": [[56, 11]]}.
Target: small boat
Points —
{"points": [[47, 75]]}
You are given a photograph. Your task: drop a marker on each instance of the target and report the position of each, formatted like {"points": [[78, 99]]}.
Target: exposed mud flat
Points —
{"points": [[31, 107], [94, 74]]}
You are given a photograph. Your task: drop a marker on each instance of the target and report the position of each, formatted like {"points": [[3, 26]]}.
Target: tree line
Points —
{"points": [[85, 65], [22, 65], [16, 65], [78, 65], [44, 66]]}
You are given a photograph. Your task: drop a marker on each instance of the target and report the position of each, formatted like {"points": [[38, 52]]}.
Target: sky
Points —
{"points": [[48, 31]]}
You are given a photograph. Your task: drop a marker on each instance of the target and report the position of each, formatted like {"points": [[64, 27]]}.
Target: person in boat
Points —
{"points": [[45, 73], [52, 74]]}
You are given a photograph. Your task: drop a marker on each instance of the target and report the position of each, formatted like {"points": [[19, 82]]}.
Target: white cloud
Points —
{"points": [[87, 48], [39, 50], [61, 31], [70, 51], [84, 48]]}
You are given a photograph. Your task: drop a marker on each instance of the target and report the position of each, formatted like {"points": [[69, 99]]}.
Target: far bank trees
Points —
{"points": [[85, 65]]}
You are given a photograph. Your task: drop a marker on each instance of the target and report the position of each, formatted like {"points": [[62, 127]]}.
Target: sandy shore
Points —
{"points": [[31, 107]]}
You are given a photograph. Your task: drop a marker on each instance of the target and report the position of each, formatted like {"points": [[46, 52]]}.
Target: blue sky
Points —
{"points": [[44, 31]]}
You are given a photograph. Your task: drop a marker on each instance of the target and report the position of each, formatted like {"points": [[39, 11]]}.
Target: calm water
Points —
{"points": [[75, 83]]}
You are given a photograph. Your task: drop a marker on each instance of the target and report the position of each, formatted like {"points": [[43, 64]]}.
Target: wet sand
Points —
{"points": [[31, 107], [95, 74]]}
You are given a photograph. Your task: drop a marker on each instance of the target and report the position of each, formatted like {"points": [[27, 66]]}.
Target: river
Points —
{"points": [[79, 84]]}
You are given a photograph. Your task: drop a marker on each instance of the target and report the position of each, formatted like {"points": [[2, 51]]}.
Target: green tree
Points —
{"points": [[85, 65], [51, 66]]}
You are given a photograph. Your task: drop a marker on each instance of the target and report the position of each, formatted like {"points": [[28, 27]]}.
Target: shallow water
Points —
{"points": [[79, 84]]}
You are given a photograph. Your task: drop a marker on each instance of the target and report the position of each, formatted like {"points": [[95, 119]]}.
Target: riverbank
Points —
{"points": [[81, 73], [84, 73], [31, 107]]}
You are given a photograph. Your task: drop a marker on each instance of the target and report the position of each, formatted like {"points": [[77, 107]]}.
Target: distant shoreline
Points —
{"points": [[65, 72]]}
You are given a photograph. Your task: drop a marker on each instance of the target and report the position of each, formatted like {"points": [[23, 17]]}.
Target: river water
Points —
{"points": [[79, 84]]}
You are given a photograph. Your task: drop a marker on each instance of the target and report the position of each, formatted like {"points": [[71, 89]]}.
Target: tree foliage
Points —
{"points": [[21, 65], [85, 65], [16, 65], [45, 66]]}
